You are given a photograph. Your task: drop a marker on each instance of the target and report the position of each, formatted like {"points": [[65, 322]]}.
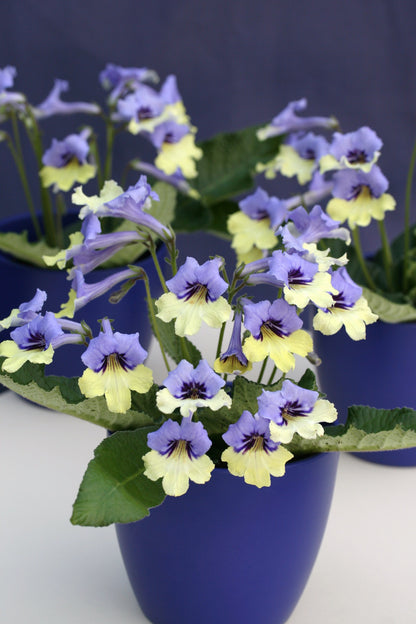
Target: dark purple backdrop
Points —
{"points": [[237, 62]]}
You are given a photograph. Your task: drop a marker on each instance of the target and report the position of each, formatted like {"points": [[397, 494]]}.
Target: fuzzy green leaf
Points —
{"points": [[388, 311], [19, 247], [367, 429], [63, 395], [114, 488], [227, 167]]}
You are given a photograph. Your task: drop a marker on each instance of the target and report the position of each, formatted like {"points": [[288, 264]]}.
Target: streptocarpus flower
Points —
{"points": [[252, 453], [115, 367], [310, 227], [122, 80], [295, 410], [195, 296], [301, 280], [26, 312], [298, 157], [188, 388], [233, 359], [53, 105], [360, 197], [349, 308], [131, 204], [289, 121], [355, 150], [178, 456], [65, 162], [275, 330], [253, 227], [32, 342], [82, 293], [177, 149], [9, 98]]}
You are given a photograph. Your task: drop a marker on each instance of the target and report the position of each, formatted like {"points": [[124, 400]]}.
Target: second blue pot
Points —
{"points": [[378, 371]]}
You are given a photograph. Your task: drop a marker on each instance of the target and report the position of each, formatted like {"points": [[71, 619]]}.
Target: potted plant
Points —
{"points": [[219, 441], [347, 165]]}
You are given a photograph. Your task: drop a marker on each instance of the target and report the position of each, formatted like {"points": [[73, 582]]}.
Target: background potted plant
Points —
{"points": [[204, 420], [135, 109]]}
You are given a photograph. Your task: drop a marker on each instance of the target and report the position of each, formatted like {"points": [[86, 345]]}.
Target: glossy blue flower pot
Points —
{"points": [[378, 371], [20, 280], [229, 552]]}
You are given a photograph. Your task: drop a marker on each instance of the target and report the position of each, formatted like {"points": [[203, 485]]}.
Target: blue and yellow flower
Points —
{"points": [[297, 157], [253, 227], [275, 330], [65, 162], [354, 150], [115, 368], [252, 453], [349, 309], [233, 359], [360, 197], [188, 388], [33, 342], [178, 456], [295, 410], [195, 296]]}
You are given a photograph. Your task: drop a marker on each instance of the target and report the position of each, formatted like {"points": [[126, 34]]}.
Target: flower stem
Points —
{"points": [[361, 260], [406, 241], [387, 256], [108, 164], [273, 373], [220, 339], [152, 249], [153, 320], [18, 160], [263, 368]]}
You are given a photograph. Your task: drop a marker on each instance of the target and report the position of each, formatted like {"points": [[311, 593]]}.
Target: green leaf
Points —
{"points": [[178, 348], [388, 311], [114, 488], [63, 395], [19, 247], [367, 429], [228, 164], [190, 215]]}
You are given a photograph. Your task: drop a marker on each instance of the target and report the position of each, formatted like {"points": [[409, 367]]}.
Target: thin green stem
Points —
{"points": [[152, 249], [273, 373], [60, 211], [154, 321], [387, 256], [406, 241], [220, 339], [108, 163], [35, 138], [263, 368], [361, 260], [18, 160]]}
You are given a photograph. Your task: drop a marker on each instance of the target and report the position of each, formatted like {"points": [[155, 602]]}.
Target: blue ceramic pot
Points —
{"points": [[20, 280], [229, 552], [378, 371]]}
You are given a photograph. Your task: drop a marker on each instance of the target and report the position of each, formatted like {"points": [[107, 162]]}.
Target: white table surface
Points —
{"points": [[52, 572]]}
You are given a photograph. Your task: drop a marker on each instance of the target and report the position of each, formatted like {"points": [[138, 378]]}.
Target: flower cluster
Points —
{"points": [[133, 106], [243, 408], [279, 243]]}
